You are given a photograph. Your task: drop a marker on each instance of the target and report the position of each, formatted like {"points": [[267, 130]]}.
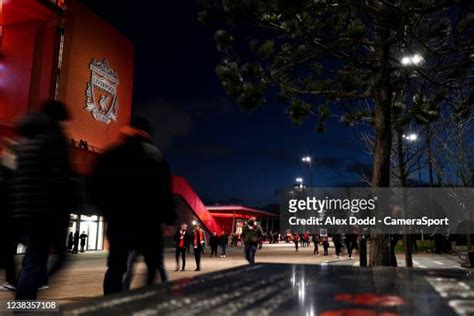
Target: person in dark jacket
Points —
{"points": [[41, 194], [223, 240], [251, 234], [8, 237], [337, 240], [83, 238], [296, 239], [351, 243], [70, 242], [76, 242], [131, 184], [326, 245], [182, 241], [315, 238], [214, 243]]}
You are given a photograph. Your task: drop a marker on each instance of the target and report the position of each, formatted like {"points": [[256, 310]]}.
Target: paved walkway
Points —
{"points": [[83, 277]]}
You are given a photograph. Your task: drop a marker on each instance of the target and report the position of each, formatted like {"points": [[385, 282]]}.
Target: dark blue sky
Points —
{"points": [[226, 154]]}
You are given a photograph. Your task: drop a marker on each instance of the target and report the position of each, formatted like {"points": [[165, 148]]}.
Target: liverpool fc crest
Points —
{"points": [[101, 93]]}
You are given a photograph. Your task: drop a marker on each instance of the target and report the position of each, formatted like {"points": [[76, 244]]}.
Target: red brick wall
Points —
{"points": [[88, 37]]}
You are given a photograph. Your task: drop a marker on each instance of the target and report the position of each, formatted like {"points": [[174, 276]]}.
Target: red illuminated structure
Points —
{"points": [[28, 56], [232, 217], [61, 49], [187, 195]]}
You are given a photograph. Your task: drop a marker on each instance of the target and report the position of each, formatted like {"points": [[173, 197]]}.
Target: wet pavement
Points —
{"points": [[286, 289]]}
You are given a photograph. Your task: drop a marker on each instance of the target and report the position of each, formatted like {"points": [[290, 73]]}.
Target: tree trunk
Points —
{"points": [[403, 184], [379, 250]]}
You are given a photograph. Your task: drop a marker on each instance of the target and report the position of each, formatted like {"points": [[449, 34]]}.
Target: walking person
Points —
{"points": [[76, 242], [8, 237], [70, 242], [133, 175], [198, 242], [234, 240], [276, 238], [83, 238], [214, 243], [351, 243], [41, 194], [270, 237], [182, 241], [315, 238], [326, 245], [337, 240], [223, 239], [296, 240], [251, 234]]}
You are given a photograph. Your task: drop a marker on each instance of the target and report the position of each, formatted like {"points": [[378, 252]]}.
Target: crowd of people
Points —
{"points": [[252, 237], [342, 242]]}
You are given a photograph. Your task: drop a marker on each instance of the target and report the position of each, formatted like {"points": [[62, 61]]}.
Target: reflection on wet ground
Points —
{"points": [[284, 289]]}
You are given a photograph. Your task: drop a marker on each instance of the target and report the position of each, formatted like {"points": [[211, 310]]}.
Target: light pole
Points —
{"points": [[412, 138], [309, 161], [407, 237], [299, 180]]}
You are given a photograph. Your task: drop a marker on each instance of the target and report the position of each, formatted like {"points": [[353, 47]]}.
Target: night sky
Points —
{"points": [[228, 156]]}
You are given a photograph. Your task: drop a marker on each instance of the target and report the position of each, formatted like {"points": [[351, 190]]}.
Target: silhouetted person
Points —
{"points": [[214, 243], [337, 240], [234, 240], [131, 184], [41, 194], [8, 235], [296, 240], [76, 242], [394, 239], [315, 238], [70, 242], [223, 240], [325, 246], [83, 238], [351, 243], [182, 241], [198, 242], [251, 234]]}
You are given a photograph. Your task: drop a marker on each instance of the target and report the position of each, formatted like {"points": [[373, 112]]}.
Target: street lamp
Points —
{"points": [[412, 60], [309, 161], [411, 137], [299, 182]]}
